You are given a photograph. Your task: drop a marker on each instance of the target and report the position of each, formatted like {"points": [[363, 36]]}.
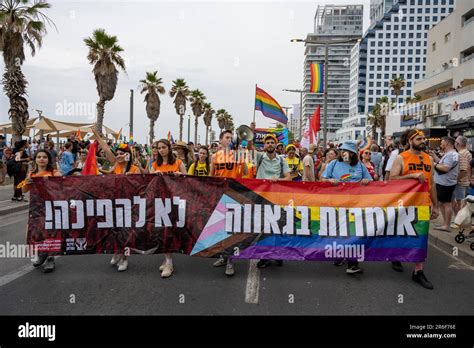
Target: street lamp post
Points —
{"points": [[326, 77]]}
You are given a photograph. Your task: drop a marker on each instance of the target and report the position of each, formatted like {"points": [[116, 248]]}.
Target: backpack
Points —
{"points": [[281, 165]]}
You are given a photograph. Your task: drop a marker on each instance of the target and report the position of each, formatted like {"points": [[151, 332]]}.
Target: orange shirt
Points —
{"points": [[120, 169], [45, 173], [226, 165], [417, 163], [167, 168]]}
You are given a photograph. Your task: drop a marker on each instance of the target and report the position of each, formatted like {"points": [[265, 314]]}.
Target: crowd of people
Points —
{"points": [[448, 171]]}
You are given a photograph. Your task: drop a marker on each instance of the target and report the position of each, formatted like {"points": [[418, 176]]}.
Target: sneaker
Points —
{"points": [[354, 270], [220, 262], [49, 265], [338, 263], [167, 270], [116, 259], [397, 266], [419, 277], [40, 259], [279, 262], [263, 263], [229, 270], [162, 267], [123, 264]]}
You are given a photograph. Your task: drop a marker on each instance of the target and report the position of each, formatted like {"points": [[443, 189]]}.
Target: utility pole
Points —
{"points": [[131, 113]]}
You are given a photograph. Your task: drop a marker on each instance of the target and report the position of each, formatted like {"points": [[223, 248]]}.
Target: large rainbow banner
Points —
{"points": [[246, 219], [317, 78]]}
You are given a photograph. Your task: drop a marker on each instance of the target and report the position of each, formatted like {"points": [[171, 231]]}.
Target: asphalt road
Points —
{"points": [[197, 288]]}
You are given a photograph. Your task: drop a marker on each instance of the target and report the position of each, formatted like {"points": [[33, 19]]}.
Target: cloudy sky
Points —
{"points": [[221, 47]]}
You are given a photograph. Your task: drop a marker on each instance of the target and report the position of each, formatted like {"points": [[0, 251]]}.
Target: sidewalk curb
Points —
{"points": [[448, 247], [15, 207]]}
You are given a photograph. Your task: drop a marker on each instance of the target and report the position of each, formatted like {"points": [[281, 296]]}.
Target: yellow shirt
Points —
{"points": [[201, 169]]}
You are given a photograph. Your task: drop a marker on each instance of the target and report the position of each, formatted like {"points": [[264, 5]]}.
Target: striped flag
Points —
{"points": [[317, 78], [269, 107]]}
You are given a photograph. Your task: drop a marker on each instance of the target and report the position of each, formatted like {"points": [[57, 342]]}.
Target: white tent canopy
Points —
{"points": [[59, 129]]}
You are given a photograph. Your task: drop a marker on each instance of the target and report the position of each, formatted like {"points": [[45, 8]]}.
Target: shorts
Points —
{"points": [[460, 192], [445, 193]]}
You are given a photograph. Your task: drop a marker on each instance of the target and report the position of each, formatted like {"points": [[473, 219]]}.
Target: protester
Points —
{"points": [[462, 186], [329, 155], [42, 166], [19, 167], [271, 166], [81, 159], [347, 168], [294, 163], [167, 163], [184, 153], [366, 160], [396, 149], [308, 165], [416, 164], [227, 164], [202, 166], [66, 163], [376, 158], [75, 146], [53, 153], [446, 179], [280, 149]]}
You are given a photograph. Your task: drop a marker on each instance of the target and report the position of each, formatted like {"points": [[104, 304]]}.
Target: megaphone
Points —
{"points": [[243, 133]]}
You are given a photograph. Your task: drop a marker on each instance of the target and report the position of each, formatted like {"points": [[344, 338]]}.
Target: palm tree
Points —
{"points": [[197, 104], [409, 100], [229, 122], [208, 113], [152, 86], [181, 91], [104, 54], [221, 118], [20, 23], [397, 84], [378, 117]]}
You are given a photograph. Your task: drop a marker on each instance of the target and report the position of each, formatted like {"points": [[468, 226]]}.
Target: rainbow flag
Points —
{"points": [[317, 78], [269, 107]]}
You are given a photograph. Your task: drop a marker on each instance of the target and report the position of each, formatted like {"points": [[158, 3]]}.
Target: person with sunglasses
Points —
{"points": [[365, 159]]}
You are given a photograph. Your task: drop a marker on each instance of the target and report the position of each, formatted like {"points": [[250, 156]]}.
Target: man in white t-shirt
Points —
{"points": [[391, 159], [308, 164]]}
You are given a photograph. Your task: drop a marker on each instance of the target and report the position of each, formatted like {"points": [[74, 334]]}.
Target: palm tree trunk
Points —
{"points": [[14, 85], [195, 131], [181, 120], [207, 133], [151, 134], [100, 116]]}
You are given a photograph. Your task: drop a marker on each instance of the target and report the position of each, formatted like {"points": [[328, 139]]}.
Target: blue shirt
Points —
{"points": [[67, 162], [344, 172]]}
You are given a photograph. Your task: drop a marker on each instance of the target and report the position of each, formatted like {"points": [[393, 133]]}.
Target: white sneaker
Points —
{"points": [[220, 262], [116, 259], [167, 270], [123, 264], [229, 270], [162, 267]]}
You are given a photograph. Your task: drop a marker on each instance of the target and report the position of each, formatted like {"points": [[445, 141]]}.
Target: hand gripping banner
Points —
{"points": [[247, 219]]}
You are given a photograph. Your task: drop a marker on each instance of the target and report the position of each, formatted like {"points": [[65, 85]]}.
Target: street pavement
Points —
{"points": [[88, 285]]}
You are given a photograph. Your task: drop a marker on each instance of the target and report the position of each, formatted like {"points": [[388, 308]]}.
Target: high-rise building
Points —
{"points": [[378, 8], [332, 22], [294, 122], [395, 46]]}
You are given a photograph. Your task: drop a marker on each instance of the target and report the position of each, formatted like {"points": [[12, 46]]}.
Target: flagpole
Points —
{"points": [[254, 103]]}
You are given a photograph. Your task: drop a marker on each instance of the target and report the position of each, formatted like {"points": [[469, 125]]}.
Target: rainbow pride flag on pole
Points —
{"points": [[317, 78], [269, 107]]}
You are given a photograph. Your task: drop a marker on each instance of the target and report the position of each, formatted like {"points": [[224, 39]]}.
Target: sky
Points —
{"points": [[221, 47]]}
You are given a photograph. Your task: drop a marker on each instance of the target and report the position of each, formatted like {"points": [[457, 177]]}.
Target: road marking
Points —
{"points": [[459, 264], [4, 280], [253, 283]]}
